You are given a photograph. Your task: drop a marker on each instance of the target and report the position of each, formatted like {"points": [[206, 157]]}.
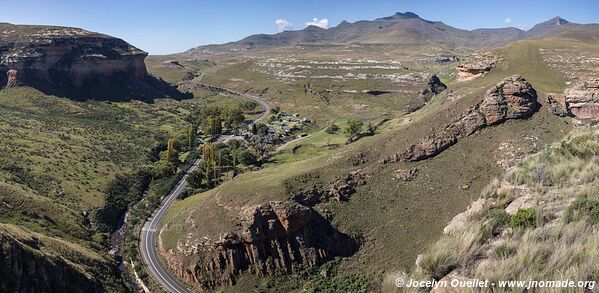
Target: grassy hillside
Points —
{"points": [[537, 223], [59, 158], [399, 219]]}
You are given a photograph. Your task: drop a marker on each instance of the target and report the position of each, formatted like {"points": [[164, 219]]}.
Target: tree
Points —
{"points": [[196, 179], [232, 116], [170, 150], [332, 129], [247, 157], [190, 136], [215, 126], [209, 161], [353, 129], [248, 106], [163, 169]]}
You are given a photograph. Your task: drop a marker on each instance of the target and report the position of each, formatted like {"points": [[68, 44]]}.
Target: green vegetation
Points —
{"points": [[524, 218], [583, 208], [353, 129], [70, 169], [561, 248], [405, 216]]}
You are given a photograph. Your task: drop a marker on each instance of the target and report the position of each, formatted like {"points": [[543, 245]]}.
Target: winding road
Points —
{"points": [[147, 241]]}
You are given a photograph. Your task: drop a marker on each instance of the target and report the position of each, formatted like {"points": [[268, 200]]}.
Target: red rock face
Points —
{"points": [[68, 56], [582, 99], [274, 237]]}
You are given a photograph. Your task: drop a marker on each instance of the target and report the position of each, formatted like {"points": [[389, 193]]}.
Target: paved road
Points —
{"points": [[147, 240]]}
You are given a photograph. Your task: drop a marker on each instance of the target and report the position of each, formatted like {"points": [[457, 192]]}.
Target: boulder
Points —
{"points": [[433, 86], [476, 65], [582, 99], [513, 98], [405, 175], [558, 106]]}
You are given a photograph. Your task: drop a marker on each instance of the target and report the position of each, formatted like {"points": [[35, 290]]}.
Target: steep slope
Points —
{"points": [[76, 63], [539, 222]]}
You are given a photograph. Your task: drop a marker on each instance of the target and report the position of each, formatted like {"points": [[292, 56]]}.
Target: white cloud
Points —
{"points": [[283, 25], [508, 21], [323, 23]]}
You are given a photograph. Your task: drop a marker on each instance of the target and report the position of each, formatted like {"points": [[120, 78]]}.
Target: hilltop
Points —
{"points": [[405, 29], [75, 63]]}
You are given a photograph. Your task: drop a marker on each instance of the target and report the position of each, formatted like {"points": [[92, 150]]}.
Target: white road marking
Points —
{"points": [[166, 203]]}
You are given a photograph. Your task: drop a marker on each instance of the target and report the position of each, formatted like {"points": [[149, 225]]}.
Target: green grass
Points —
{"points": [[561, 248], [400, 219]]}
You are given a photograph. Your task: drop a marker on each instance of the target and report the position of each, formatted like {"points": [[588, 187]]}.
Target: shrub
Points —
{"points": [[499, 218], [583, 208], [247, 157], [332, 129], [450, 252], [503, 251], [524, 218]]}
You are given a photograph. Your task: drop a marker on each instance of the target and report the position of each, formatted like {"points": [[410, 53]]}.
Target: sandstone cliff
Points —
{"points": [[277, 237], [74, 55], [513, 98], [75, 63], [582, 99], [476, 65]]}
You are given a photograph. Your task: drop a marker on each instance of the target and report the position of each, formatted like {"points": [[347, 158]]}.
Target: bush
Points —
{"points": [[247, 157], [332, 129], [196, 179], [503, 251], [524, 218], [120, 193], [583, 208], [498, 218]]}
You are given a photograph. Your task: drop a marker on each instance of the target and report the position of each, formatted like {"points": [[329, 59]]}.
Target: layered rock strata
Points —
{"points": [[513, 98]]}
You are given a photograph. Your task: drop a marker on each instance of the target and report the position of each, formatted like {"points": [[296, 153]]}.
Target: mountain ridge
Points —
{"points": [[399, 28]]}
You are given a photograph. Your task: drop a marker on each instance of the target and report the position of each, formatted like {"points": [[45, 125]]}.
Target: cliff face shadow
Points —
{"points": [[120, 87]]}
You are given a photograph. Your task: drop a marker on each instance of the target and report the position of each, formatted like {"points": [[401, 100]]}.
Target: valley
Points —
{"points": [[310, 160]]}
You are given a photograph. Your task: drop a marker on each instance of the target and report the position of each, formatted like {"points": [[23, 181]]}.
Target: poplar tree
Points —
{"points": [[190, 136], [170, 151]]}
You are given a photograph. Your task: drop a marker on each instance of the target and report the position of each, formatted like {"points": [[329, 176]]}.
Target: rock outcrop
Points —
{"points": [[277, 237], [12, 79], [405, 175], [513, 98], [75, 56], [25, 266], [433, 86], [476, 65], [582, 99], [77, 64], [558, 106], [340, 189]]}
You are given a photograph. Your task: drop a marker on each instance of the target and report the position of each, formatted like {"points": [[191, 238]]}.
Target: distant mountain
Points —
{"points": [[406, 29], [549, 25]]}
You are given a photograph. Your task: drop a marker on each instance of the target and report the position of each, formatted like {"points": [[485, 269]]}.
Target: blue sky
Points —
{"points": [[161, 27]]}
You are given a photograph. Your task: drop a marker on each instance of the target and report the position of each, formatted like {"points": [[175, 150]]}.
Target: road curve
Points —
{"points": [[147, 240], [257, 99]]}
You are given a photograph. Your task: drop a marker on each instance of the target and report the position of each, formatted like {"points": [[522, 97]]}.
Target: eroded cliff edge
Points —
{"points": [[76, 63], [275, 237]]}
